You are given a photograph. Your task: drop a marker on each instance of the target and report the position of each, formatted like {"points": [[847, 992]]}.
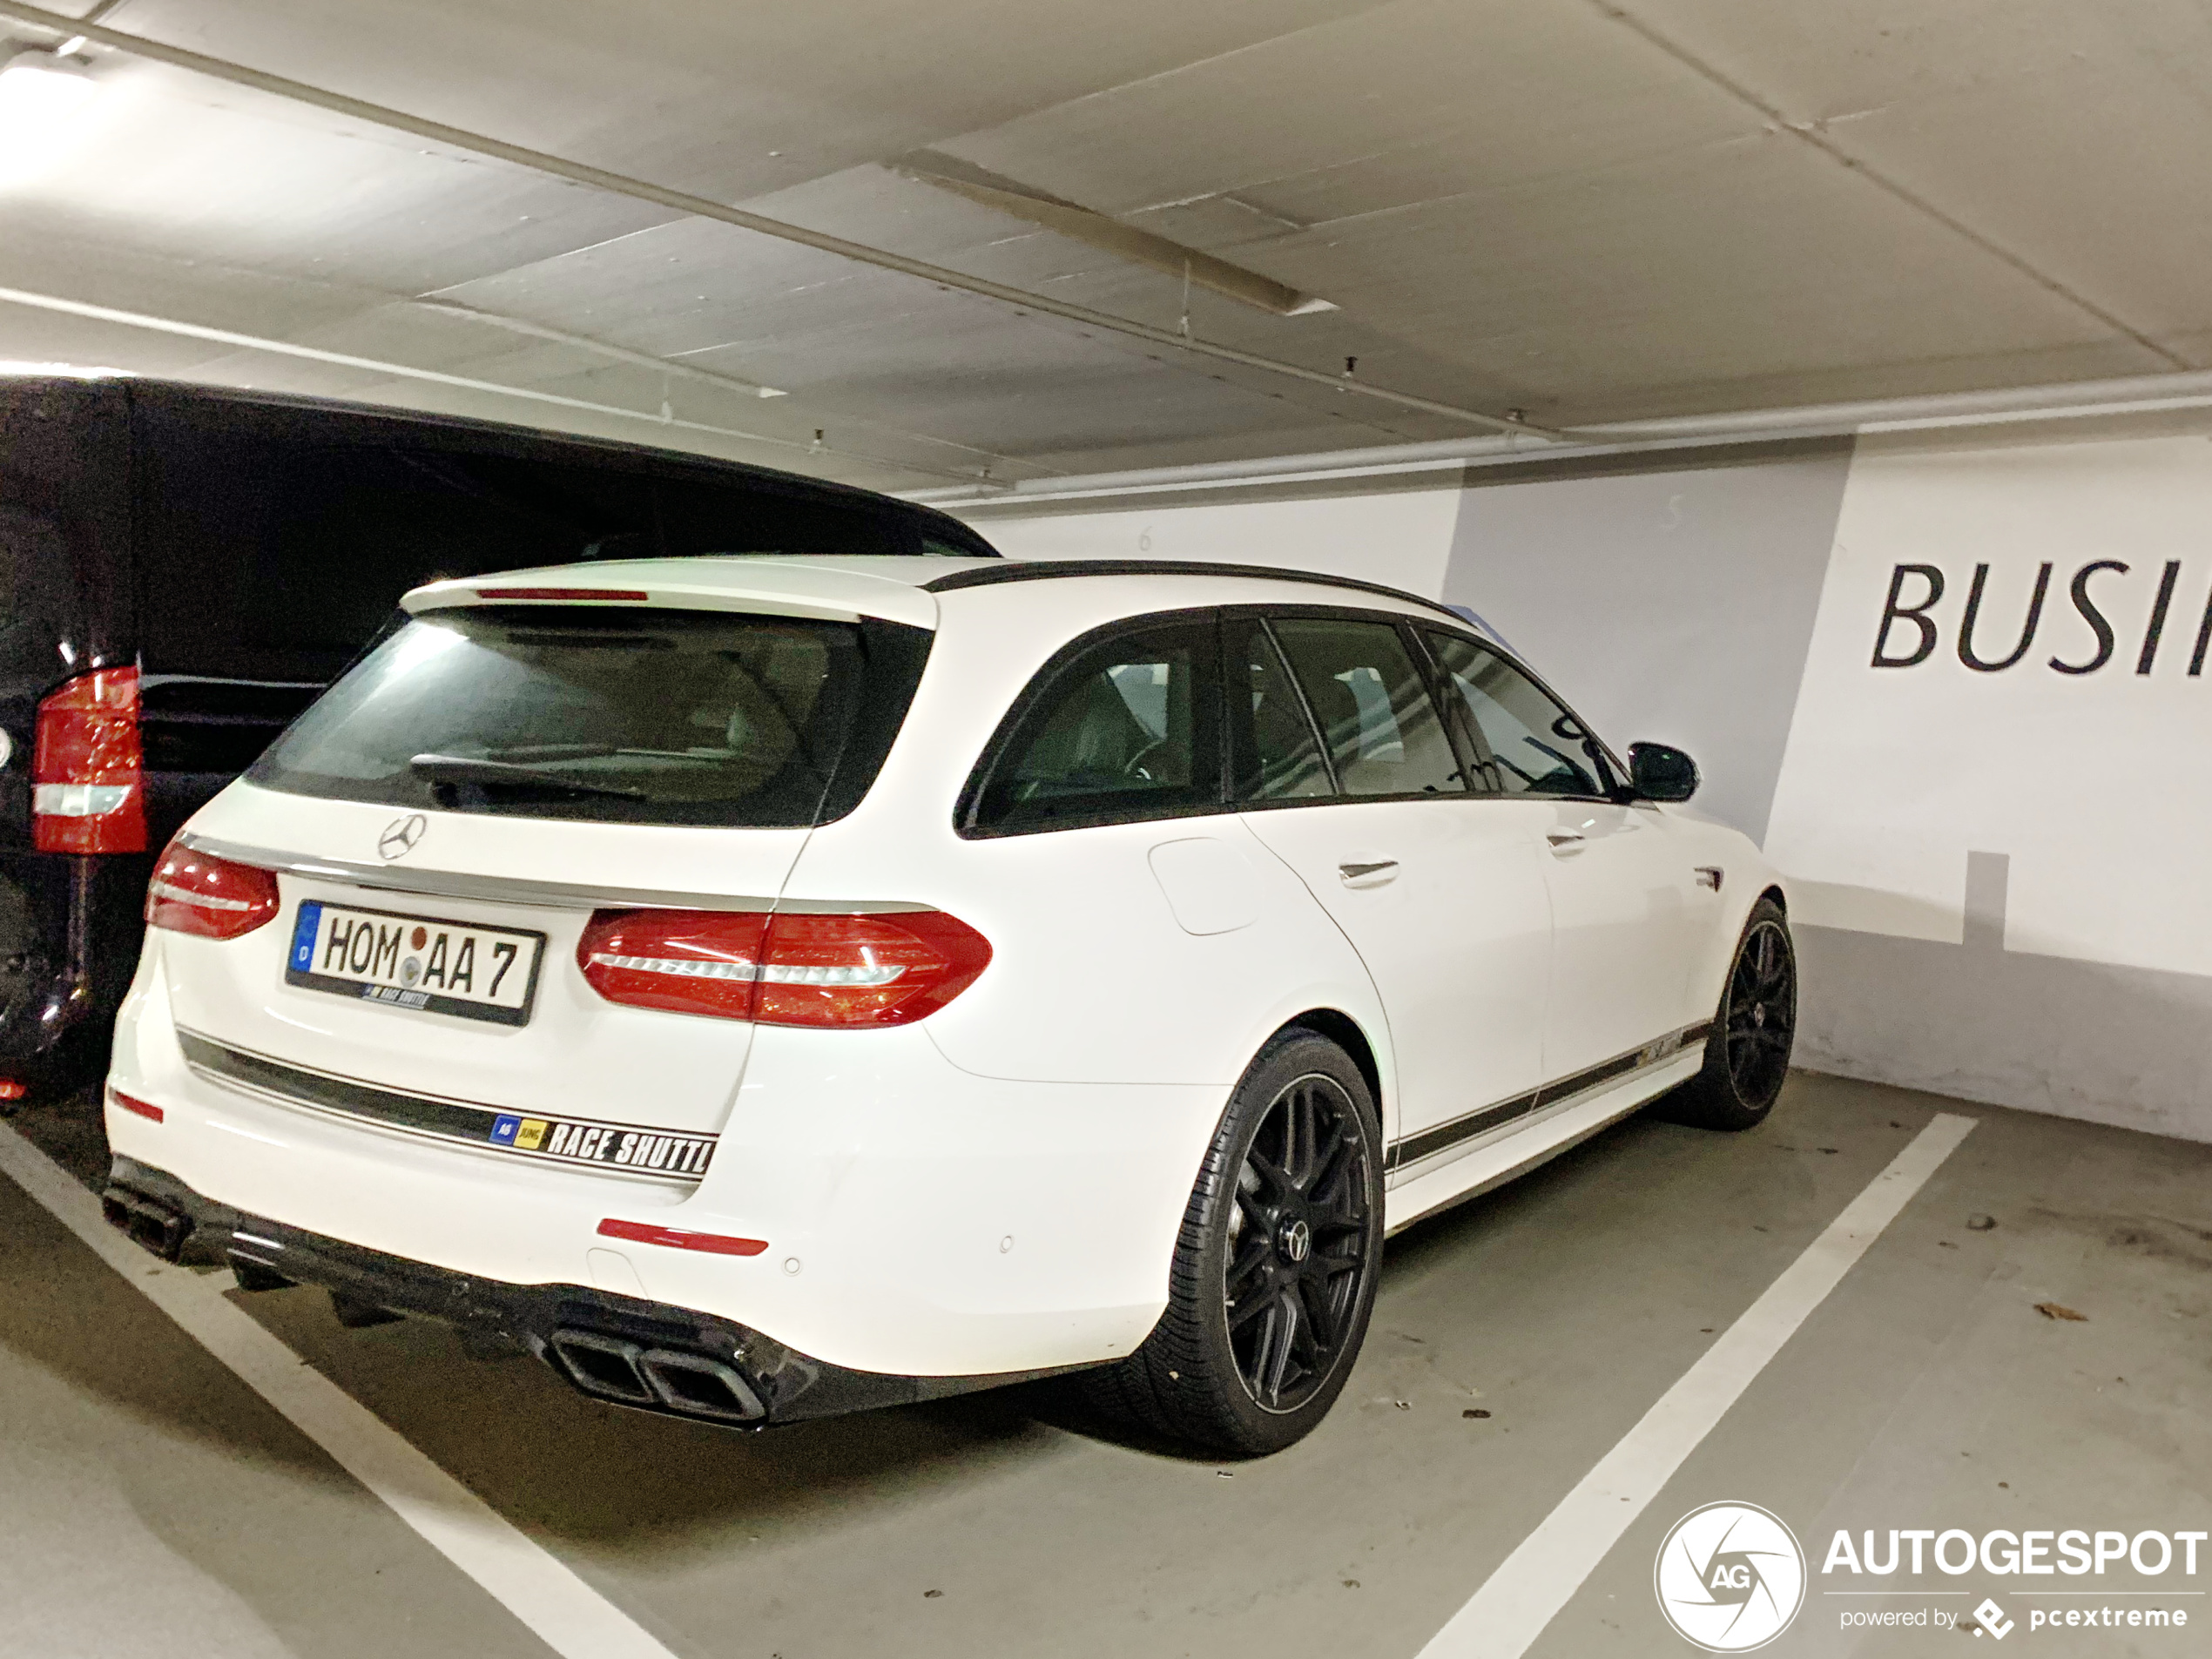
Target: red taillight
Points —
{"points": [[645, 1232], [197, 893], [686, 962], [866, 970], [840, 970], [87, 773]]}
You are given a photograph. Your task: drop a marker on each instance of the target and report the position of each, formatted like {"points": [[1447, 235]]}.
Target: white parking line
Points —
{"points": [[1503, 1618], [567, 1614]]}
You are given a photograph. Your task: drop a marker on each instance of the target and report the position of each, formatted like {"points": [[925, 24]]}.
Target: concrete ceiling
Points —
{"points": [[1591, 212]]}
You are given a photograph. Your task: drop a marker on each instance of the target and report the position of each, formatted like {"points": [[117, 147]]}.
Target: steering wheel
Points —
{"points": [[1136, 768]]}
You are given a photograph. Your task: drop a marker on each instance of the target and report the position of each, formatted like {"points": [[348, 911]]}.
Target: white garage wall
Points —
{"points": [[2003, 869], [1662, 600], [2003, 879], [1401, 536]]}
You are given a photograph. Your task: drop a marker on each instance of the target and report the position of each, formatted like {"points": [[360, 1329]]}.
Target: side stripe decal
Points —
{"points": [[1423, 1144]]}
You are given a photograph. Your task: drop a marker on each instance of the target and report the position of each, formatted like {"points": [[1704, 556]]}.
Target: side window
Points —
{"points": [[1274, 753], [1538, 746], [1374, 707], [1130, 728], [936, 547]]}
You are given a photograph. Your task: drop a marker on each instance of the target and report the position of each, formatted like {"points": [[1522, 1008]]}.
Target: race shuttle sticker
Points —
{"points": [[607, 1146]]}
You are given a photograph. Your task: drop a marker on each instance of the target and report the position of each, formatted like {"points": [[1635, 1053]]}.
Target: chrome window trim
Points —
{"points": [[555, 895]]}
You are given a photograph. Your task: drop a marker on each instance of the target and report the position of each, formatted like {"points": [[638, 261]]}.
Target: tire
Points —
{"points": [[1747, 1056], [1276, 1267]]}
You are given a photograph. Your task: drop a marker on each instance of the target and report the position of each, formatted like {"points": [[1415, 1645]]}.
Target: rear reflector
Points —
{"points": [[645, 1232], [631, 595], [87, 770], [132, 1103], [808, 970], [197, 893]]}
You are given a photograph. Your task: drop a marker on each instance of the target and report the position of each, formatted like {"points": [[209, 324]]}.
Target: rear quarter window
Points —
{"points": [[1123, 727]]}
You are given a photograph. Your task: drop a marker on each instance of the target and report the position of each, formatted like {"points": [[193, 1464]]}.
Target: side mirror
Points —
{"points": [[1659, 773]]}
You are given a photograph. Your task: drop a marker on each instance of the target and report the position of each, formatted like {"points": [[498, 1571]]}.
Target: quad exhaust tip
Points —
{"points": [[691, 1385], [160, 1227], [607, 1367]]}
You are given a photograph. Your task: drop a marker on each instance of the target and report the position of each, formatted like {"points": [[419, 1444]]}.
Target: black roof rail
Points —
{"points": [[1043, 569]]}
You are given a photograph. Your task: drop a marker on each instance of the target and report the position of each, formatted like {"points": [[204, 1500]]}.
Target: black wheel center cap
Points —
{"points": [[1296, 1241]]}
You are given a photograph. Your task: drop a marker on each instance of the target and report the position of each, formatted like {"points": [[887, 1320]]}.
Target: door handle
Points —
{"points": [[1564, 842], [1367, 873]]}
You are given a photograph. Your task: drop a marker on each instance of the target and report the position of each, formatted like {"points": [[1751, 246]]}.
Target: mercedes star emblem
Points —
{"points": [[400, 836]]}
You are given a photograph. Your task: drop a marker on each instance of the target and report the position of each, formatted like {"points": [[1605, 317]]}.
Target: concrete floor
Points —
{"points": [[147, 1497]]}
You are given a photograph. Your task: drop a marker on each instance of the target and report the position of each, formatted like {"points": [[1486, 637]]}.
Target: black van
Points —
{"points": [[183, 569]]}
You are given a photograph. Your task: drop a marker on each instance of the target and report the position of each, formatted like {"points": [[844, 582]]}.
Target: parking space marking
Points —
{"points": [[1505, 1616], [567, 1614]]}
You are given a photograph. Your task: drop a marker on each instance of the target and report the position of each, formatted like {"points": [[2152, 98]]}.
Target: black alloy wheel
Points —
{"points": [[1760, 1016], [1276, 1267], [1747, 1056], [1299, 1252]]}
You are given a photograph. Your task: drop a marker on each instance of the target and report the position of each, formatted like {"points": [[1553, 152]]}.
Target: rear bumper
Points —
{"points": [[920, 1222], [787, 1385]]}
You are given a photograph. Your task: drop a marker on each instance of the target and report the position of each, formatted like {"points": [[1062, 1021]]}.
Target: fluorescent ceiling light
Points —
{"points": [[1079, 224], [59, 371], [39, 93]]}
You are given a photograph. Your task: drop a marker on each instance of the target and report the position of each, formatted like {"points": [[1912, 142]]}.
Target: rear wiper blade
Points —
{"points": [[554, 752], [503, 774]]}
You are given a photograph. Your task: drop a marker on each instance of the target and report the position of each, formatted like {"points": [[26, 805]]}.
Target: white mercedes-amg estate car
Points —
{"points": [[775, 987]]}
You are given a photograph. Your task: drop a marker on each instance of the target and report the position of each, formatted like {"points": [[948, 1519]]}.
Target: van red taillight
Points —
{"points": [[850, 970], [197, 893], [87, 773]]}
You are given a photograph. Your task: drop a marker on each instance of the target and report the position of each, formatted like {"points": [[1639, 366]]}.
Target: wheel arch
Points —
{"points": [[1348, 1034]]}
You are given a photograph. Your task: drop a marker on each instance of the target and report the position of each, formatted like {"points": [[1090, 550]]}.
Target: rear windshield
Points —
{"points": [[644, 717]]}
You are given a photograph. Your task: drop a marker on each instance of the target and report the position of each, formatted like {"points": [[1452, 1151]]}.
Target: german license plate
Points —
{"points": [[416, 963]]}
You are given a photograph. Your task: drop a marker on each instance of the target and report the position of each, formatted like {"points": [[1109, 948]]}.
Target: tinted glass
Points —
{"points": [[1278, 757], [1130, 728], [1373, 707], [937, 547], [1537, 746], [288, 535], [64, 532], [660, 717]]}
